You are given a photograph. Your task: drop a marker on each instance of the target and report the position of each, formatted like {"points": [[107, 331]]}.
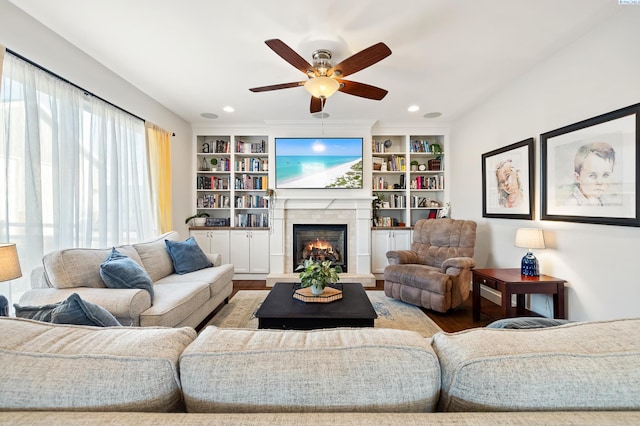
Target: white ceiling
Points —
{"points": [[197, 56]]}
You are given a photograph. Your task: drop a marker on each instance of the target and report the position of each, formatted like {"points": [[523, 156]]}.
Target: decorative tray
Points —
{"points": [[329, 294]]}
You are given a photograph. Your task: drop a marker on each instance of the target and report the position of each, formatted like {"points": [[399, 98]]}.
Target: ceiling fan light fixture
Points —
{"points": [[322, 87]]}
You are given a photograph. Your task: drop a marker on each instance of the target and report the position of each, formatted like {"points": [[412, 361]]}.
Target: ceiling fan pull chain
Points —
{"points": [[322, 115]]}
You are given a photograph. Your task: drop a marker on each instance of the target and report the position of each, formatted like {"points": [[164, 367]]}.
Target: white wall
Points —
{"points": [[27, 37], [596, 74]]}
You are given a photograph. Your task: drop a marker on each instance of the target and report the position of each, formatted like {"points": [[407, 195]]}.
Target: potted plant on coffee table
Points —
{"points": [[318, 275]]}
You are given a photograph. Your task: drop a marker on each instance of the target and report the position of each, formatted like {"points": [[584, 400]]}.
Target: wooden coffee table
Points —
{"points": [[281, 311]]}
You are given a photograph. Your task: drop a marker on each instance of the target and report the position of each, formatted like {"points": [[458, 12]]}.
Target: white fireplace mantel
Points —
{"points": [[325, 203], [354, 211]]}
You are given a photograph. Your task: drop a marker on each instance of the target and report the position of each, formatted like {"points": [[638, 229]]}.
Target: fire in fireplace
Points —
{"points": [[319, 243]]}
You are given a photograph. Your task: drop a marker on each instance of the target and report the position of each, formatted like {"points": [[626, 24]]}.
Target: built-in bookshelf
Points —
{"points": [[232, 178], [408, 178]]}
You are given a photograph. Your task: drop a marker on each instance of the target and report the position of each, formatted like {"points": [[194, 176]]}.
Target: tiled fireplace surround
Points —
{"points": [[355, 212]]}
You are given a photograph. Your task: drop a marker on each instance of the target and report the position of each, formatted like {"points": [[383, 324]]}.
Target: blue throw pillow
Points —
{"points": [[120, 271], [187, 256], [527, 322], [74, 310]]}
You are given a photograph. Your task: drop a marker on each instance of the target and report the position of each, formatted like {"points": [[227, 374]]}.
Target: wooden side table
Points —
{"points": [[510, 281]]}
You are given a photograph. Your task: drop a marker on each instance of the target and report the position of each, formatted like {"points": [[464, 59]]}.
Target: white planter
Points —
{"points": [[316, 289]]}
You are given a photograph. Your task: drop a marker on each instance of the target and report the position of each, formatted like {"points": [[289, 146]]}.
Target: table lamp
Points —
{"points": [[529, 238], [9, 270]]}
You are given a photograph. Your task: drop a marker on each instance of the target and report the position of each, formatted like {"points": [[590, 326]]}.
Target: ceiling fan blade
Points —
{"points": [[362, 90], [317, 104], [361, 60], [289, 55], [277, 86]]}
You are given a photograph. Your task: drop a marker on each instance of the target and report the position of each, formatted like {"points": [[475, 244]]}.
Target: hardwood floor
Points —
{"points": [[455, 320]]}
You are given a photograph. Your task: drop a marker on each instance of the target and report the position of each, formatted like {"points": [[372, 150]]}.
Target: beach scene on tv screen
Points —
{"points": [[318, 162]]}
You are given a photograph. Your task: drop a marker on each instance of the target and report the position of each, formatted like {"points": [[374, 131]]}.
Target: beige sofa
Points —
{"points": [[179, 300], [580, 373]]}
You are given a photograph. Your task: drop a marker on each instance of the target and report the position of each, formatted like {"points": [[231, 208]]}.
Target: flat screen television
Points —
{"points": [[318, 162]]}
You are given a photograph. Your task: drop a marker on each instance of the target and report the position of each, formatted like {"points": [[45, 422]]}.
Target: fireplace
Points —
{"points": [[320, 242]]}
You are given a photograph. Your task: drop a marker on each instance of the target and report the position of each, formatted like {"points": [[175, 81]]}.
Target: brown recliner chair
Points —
{"points": [[436, 272]]}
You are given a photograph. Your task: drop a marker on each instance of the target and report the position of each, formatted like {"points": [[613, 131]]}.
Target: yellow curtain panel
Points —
{"points": [[159, 153]]}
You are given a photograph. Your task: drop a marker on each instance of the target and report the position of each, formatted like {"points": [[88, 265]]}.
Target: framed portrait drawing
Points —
{"points": [[507, 181], [590, 170]]}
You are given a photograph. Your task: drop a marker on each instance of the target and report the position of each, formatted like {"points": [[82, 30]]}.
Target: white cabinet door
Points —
{"points": [[259, 252], [250, 251], [401, 240], [379, 248], [213, 241], [202, 239], [240, 243], [383, 241]]}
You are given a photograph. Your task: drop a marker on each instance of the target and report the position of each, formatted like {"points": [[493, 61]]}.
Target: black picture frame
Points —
{"points": [[589, 170], [515, 161]]}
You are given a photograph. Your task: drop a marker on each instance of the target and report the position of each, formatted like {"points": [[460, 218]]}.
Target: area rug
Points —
{"points": [[239, 313]]}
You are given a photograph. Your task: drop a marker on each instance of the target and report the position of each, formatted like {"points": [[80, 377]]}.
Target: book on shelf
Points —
{"points": [[251, 201], [222, 147], [420, 146], [252, 165], [385, 221], [429, 182], [213, 201], [252, 220], [396, 163], [379, 147], [251, 147]]}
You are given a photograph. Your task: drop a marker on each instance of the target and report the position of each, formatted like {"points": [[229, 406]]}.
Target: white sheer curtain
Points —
{"points": [[73, 169]]}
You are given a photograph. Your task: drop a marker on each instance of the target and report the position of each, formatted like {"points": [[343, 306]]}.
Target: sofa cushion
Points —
{"points": [[578, 366], [187, 256], [155, 257], [80, 267], [349, 370], [73, 310], [120, 271], [66, 367], [174, 302]]}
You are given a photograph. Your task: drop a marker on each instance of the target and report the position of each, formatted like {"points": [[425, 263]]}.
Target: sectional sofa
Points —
{"points": [[579, 373], [178, 299]]}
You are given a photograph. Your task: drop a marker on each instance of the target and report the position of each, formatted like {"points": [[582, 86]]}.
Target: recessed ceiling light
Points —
{"points": [[209, 115], [413, 108], [432, 115], [320, 115], [228, 109]]}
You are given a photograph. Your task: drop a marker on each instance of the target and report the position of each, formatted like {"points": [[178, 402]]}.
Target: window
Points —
{"points": [[73, 169]]}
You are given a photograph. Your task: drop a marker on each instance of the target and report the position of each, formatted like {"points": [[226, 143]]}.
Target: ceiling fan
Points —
{"points": [[323, 78]]}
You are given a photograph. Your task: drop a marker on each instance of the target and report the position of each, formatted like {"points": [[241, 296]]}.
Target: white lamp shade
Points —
{"points": [[321, 87], [530, 238], [9, 262]]}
